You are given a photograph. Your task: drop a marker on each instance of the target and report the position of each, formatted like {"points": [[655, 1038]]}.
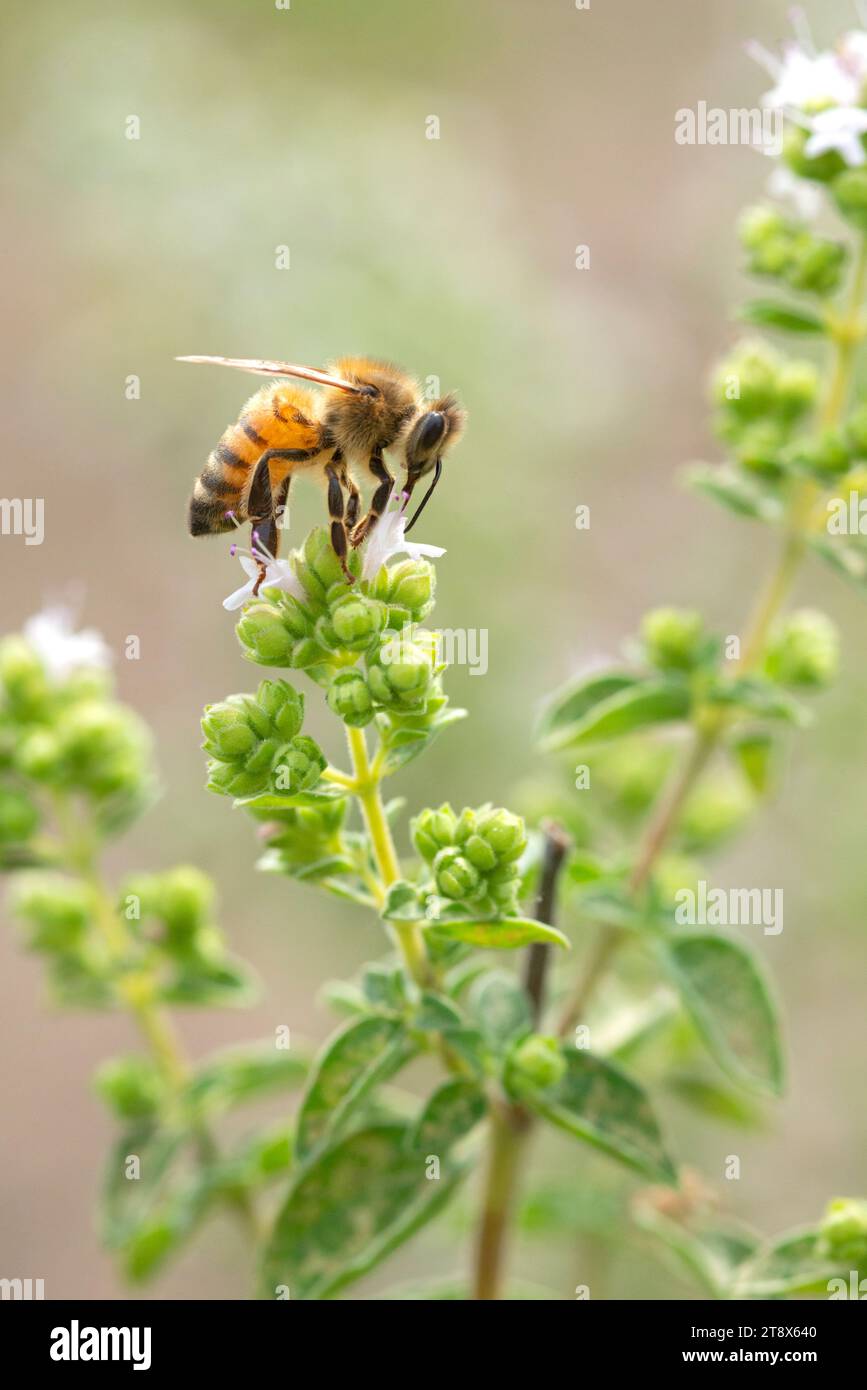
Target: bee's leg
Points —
{"points": [[353, 501], [336, 507], [378, 502], [265, 502]]}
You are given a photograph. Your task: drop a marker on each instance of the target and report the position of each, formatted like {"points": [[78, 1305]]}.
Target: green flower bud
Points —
{"points": [[318, 568], [349, 697], [231, 779], [402, 672], [504, 832], [408, 589], [55, 909], [480, 854], [672, 638], [715, 810], [758, 225], [826, 455], [227, 730], [816, 265], [39, 756], [88, 683], [353, 623], [283, 707], [298, 766], [104, 748], [186, 900], [455, 876], [131, 1086], [22, 677], [433, 830], [850, 194], [264, 636], [820, 169], [19, 818], [803, 650], [535, 1064], [797, 388], [757, 446], [843, 1232]]}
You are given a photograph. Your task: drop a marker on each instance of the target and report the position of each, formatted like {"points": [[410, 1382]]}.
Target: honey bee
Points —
{"points": [[335, 434]]}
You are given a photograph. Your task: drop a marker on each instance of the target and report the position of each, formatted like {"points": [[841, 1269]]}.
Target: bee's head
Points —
{"points": [[433, 432]]}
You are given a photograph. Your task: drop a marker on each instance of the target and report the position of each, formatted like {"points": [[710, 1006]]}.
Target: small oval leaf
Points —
{"points": [[637, 707], [597, 1102], [500, 933], [363, 1053], [726, 995]]}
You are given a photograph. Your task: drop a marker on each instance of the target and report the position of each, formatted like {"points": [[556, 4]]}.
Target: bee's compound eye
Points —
{"points": [[368, 390], [430, 431]]}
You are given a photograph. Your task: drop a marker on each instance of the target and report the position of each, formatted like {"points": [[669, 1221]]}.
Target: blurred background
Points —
{"points": [[305, 127]]}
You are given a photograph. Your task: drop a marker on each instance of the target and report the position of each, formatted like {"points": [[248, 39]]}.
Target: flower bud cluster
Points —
{"points": [[473, 856], [256, 745], [63, 735], [787, 251], [328, 623], [762, 397]]}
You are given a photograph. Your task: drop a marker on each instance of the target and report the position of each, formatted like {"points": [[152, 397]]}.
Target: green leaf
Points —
{"points": [[244, 1074], [435, 1012], [219, 984], [754, 754], [348, 1209], [718, 1102], [127, 1202], [499, 1004], [450, 1113], [787, 1267], [383, 987], [285, 801], [363, 1053], [845, 558], [597, 1102], [573, 700], [403, 903], [734, 491], [639, 706], [727, 997], [404, 740], [469, 1045], [499, 933], [760, 697], [790, 318]]}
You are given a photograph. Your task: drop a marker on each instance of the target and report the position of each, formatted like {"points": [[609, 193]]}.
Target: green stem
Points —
{"points": [[367, 788], [137, 988], [509, 1125], [849, 331], [507, 1136]]}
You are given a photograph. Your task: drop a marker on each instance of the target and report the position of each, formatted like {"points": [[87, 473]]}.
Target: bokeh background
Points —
{"points": [[306, 127]]}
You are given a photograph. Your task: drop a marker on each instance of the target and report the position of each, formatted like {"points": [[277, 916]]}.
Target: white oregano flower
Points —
{"points": [[61, 650], [278, 575], [839, 128], [389, 538], [806, 81]]}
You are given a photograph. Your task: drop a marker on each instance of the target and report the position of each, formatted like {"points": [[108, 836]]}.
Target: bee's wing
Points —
{"points": [[262, 367]]}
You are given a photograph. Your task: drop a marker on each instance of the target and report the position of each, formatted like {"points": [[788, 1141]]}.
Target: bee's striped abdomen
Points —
{"points": [[272, 419]]}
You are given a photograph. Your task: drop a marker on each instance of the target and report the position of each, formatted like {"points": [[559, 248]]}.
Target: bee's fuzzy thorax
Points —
{"points": [[360, 424]]}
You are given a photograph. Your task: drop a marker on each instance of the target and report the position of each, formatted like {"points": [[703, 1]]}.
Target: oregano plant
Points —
{"points": [[567, 967]]}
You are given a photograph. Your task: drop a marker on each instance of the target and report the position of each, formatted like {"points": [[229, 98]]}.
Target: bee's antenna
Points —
{"points": [[424, 501]]}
